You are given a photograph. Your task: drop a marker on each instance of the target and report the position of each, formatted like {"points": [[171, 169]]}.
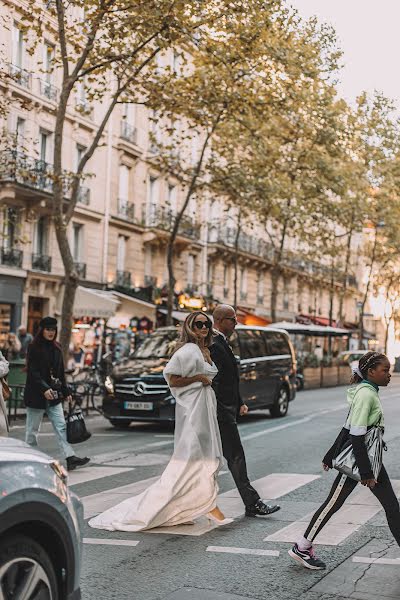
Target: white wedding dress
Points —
{"points": [[188, 487]]}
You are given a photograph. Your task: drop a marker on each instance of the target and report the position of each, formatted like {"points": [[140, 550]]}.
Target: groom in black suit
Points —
{"points": [[229, 406]]}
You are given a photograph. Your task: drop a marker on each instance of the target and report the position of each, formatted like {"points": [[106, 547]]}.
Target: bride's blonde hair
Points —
{"points": [[188, 334]]}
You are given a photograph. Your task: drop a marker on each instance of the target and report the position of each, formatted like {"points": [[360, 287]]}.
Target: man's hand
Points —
{"points": [[244, 409], [49, 395], [371, 483], [204, 380]]}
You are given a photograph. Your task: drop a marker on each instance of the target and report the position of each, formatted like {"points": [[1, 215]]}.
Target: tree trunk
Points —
{"points": [[275, 275], [346, 273], [364, 302]]}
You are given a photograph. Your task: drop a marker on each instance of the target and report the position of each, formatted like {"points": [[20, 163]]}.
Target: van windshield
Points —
{"points": [[157, 345]]}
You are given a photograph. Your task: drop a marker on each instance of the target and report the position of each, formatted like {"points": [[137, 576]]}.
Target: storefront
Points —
{"points": [[11, 294]]}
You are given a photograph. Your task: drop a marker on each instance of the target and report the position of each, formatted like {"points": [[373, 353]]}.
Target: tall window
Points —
{"points": [[123, 186], [128, 113], [172, 199], [20, 132], [44, 145], [243, 281], [80, 151], [153, 191], [226, 279], [121, 253], [10, 228], [77, 242], [18, 47], [190, 270], [260, 288], [40, 237], [48, 62]]}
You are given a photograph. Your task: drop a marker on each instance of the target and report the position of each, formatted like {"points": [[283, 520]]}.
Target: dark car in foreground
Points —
{"points": [[137, 391], [40, 527]]}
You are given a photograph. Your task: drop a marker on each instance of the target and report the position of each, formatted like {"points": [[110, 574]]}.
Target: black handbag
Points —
{"points": [[76, 427]]}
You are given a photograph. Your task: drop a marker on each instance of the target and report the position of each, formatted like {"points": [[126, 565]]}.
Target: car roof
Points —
{"points": [[240, 327]]}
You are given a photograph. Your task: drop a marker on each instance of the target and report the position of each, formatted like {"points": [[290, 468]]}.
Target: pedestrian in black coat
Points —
{"points": [[229, 406], [46, 389]]}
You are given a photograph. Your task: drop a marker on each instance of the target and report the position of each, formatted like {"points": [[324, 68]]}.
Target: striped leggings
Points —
{"points": [[341, 490]]}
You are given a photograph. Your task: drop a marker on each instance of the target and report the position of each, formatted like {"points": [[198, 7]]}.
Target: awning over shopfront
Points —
{"points": [[245, 317], [98, 304], [176, 314], [129, 308], [309, 319]]}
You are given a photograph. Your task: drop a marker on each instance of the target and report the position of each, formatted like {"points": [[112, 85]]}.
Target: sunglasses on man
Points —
{"points": [[201, 324]]}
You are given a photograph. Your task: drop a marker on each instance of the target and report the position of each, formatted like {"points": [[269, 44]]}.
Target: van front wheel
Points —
{"points": [[280, 408]]}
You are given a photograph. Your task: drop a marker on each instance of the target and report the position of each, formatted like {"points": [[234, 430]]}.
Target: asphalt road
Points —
{"points": [[248, 558]]}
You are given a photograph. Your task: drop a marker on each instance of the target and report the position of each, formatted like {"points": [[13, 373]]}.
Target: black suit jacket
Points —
{"points": [[226, 383]]}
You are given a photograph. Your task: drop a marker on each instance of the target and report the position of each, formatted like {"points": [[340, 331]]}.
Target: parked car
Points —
{"points": [[137, 391], [351, 357], [40, 526]]}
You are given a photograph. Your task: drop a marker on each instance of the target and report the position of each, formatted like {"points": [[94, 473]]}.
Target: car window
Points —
{"points": [[252, 343], [276, 342], [159, 344], [234, 343]]}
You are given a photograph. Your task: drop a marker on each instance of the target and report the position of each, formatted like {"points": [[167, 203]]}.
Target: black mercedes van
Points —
{"points": [[137, 391]]}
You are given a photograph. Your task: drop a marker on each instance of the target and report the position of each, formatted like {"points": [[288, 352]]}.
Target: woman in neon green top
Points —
{"points": [[365, 411]]}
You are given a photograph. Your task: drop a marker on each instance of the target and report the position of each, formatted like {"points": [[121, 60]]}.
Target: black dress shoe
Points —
{"points": [[261, 509], [75, 461]]}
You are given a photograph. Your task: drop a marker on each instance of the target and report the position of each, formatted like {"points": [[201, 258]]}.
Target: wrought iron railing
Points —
{"points": [[84, 196], [80, 269], [150, 281], [83, 107], [126, 210], [254, 245], [128, 132], [20, 168], [161, 217], [123, 279], [48, 90], [11, 257], [20, 76], [41, 262]]}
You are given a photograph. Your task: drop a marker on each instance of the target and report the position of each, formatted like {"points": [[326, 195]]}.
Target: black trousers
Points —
{"points": [[341, 490], [234, 455]]}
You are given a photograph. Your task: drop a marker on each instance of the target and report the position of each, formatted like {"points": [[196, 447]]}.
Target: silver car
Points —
{"points": [[40, 527]]}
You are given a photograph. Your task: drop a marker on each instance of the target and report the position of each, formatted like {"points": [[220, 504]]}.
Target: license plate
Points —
{"points": [[138, 405]]}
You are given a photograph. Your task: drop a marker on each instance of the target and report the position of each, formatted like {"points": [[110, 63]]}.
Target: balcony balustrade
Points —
{"points": [[80, 269], [20, 76], [48, 90], [20, 168], [150, 281], [128, 132], [161, 217], [11, 257], [84, 196], [41, 262], [123, 279], [226, 236], [126, 210], [83, 107]]}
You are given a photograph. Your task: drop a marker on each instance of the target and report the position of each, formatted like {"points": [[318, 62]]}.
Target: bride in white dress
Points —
{"points": [[188, 487]]}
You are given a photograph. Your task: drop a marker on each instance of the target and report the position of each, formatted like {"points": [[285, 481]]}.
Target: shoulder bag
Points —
{"points": [[5, 389], [345, 461]]}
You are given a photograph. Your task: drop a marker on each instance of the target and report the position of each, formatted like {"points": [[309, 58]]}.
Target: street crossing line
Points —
{"points": [[358, 510], [376, 561], [271, 487], [109, 542], [252, 551], [93, 472], [97, 503], [256, 434]]}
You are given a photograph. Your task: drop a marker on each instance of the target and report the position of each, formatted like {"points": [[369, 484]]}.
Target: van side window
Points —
{"points": [[234, 343], [276, 343], [252, 343]]}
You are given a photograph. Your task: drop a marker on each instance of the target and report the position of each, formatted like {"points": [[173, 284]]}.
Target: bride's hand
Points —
{"points": [[204, 380]]}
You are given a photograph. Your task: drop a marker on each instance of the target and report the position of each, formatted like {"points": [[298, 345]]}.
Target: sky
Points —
{"points": [[368, 34]]}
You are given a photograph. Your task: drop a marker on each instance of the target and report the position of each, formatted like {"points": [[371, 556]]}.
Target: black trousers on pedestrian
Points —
{"points": [[234, 455], [341, 490]]}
